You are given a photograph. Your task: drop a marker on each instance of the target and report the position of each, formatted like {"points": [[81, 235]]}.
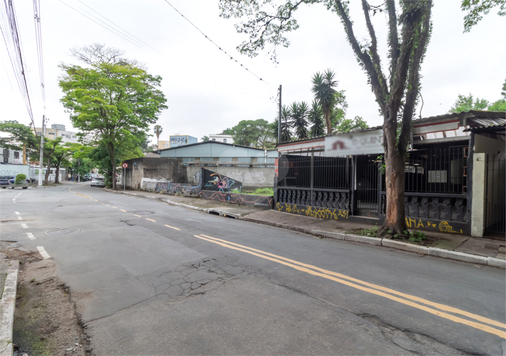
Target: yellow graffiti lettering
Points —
{"points": [[445, 227], [343, 213], [407, 222], [420, 223], [429, 224], [412, 222]]}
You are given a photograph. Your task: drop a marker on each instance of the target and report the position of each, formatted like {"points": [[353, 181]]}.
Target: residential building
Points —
{"points": [[181, 140], [221, 138], [454, 175]]}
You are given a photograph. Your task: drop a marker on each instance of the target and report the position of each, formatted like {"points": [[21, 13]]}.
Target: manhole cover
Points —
{"points": [[62, 232], [142, 212]]}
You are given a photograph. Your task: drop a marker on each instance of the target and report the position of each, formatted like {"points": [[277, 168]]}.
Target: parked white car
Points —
{"points": [[97, 182]]}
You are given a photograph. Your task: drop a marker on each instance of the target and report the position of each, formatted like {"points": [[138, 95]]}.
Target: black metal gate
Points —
{"points": [[495, 196], [366, 188]]}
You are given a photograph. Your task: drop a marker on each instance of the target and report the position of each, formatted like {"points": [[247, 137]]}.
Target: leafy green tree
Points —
{"points": [[477, 8], [205, 138], [347, 125], [61, 156], [324, 85], [499, 105], [158, 131], [228, 131], [19, 134], [298, 119], [339, 109], [50, 147], [113, 99], [409, 27], [466, 103], [315, 117], [250, 133]]}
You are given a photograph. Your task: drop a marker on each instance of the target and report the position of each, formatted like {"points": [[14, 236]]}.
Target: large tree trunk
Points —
{"points": [[328, 122], [57, 178], [395, 161], [395, 209]]}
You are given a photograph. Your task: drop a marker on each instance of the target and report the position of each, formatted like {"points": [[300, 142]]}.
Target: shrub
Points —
{"points": [[20, 178]]}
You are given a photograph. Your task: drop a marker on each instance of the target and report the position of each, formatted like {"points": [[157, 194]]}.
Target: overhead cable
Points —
{"points": [[214, 43], [8, 23]]}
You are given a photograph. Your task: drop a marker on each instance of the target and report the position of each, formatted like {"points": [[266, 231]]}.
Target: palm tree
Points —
{"points": [[323, 89], [158, 131], [298, 115], [315, 116]]}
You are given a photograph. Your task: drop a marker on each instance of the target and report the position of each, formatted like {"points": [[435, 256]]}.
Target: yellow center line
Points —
{"points": [[115, 207], [172, 227], [95, 199], [123, 210], [150, 220], [331, 276], [137, 215], [106, 204]]}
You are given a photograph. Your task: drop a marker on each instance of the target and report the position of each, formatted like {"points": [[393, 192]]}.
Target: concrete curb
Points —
{"points": [[404, 246], [7, 307]]}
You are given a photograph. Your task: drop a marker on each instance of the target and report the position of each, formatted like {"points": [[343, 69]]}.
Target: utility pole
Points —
{"points": [[42, 149], [279, 121]]}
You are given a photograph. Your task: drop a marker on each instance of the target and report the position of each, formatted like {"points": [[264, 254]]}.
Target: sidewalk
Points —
{"points": [[481, 251]]}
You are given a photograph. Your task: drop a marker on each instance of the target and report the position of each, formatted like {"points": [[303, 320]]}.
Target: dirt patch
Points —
{"points": [[428, 240], [45, 320]]}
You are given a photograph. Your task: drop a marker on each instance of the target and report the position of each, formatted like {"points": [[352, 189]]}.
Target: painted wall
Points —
{"points": [[251, 177], [236, 198], [166, 187], [14, 170], [217, 150]]}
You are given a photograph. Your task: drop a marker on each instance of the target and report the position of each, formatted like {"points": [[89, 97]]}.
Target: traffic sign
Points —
{"points": [[124, 165]]}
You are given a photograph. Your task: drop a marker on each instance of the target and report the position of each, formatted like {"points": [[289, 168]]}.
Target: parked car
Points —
{"points": [[4, 181], [97, 182]]}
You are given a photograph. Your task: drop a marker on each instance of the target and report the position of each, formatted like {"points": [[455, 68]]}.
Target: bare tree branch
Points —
{"points": [[393, 39]]}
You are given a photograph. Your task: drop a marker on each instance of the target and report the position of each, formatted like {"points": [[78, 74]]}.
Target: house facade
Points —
{"points": [[454, 175]]}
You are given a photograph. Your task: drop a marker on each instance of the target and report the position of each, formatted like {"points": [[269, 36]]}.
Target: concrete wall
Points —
{"points": [[162, 169], [14, 170], [478, 202], [483, 144], [251, 177]]}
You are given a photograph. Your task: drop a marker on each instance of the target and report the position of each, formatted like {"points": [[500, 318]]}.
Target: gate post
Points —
{"points": [[478, 194]]}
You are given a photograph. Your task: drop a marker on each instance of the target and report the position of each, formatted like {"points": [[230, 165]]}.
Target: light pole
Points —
{"points": [[41, 159]]}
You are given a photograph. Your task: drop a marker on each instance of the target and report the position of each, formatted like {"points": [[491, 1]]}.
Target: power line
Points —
{"points": [[214, 43], [117, 31], [38, 41], [122, 29], [15, 53]]}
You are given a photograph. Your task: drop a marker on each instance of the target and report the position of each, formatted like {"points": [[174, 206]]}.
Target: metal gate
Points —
{"points": [[366, 189], [495, 196]]}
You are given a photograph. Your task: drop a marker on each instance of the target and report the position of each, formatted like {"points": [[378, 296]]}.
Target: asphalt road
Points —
{"points": [[152, 279]]}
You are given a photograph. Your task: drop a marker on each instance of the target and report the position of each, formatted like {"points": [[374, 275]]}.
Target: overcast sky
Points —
{"points": [[208, 92]]}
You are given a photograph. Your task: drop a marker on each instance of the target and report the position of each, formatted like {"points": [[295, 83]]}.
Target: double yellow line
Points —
{"points": [[441, 310]]}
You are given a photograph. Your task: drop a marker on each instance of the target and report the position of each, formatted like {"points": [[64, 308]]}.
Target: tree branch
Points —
{"points": [[414, 75], [393, 39], [378, 84]]}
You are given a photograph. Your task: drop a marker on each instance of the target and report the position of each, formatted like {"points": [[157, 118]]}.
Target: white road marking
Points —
{"points": [[43, 252], [24, 226], [20, 218], [30, 236], [16, 212]]}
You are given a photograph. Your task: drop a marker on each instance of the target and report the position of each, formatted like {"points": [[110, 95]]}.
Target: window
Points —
{"points": [[16, 155], [224, 140]]}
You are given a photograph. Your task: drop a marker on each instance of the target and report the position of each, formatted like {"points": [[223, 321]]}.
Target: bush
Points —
{"points": [[20, 178], [264, 191]]}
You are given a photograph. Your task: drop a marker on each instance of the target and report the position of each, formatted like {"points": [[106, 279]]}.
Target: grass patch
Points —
{"points": [[369, 232], [260, 191]]}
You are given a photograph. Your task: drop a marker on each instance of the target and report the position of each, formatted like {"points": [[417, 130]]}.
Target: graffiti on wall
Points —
{"points": [[164, 186], [442, 226], [322, 213], [217, 182], [237, 198]]}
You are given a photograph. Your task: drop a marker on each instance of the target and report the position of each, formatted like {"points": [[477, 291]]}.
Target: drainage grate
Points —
{"points": [[61, 231]]}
